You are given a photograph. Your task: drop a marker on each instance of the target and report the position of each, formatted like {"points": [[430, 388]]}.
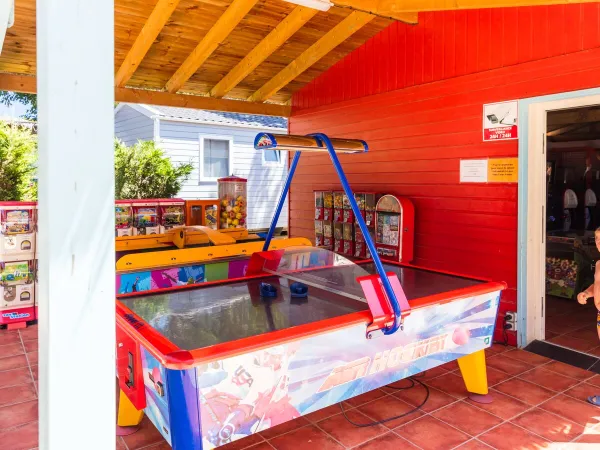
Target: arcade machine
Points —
{"points": [[395, 228], [17, 263], [203, 212], [172, 214], [302, 330]]}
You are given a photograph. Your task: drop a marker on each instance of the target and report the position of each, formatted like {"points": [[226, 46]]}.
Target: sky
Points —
{"points": [[16, 110]]}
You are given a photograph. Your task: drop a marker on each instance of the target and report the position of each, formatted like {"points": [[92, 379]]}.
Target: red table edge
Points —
{"points": [[172, 357]]}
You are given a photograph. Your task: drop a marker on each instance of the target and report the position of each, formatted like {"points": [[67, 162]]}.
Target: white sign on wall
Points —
{"points": [[500, 121], [473, 170]]}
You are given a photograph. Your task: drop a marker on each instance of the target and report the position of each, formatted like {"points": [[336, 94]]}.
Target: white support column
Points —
{"points": [[75, 72]]}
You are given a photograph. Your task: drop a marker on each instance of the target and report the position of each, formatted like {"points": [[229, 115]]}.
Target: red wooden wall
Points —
{"points": [[415, 94]]}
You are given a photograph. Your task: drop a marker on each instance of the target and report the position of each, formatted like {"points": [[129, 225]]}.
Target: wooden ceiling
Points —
{"points": [[223, 51]]}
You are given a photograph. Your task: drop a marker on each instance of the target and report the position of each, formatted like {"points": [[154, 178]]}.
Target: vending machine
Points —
{"points": [[394, 228]]}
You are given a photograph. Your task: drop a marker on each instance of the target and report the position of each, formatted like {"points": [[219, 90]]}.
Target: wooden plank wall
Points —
{"points": [[415, 94]]}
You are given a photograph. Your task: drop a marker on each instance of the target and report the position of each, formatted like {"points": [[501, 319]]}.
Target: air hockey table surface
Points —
{"points": [[258, 361]]}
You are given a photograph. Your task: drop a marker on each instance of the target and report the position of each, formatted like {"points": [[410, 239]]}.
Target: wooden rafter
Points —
{"points": [[397, 9], [280, 34], [332, 39], [155, 23], [568, 117], [566, 129], [27, 84], [225, 25]]}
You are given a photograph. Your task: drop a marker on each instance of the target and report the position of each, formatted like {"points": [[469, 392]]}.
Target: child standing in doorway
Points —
{"points": [[594, 291]]}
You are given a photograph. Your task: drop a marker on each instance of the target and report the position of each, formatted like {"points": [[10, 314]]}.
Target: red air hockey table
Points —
{"points": [[213, 363]]}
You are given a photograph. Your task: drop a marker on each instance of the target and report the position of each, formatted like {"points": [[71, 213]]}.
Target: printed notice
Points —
{"points": [[503, 170], [473, 170], [500, 121]]}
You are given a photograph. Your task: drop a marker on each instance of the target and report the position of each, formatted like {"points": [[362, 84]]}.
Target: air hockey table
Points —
{"points": [[304, 329]]}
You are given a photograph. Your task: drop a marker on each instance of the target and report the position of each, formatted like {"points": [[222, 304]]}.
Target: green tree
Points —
{"points": [[18, 156], [29, 100], [143, 171]]}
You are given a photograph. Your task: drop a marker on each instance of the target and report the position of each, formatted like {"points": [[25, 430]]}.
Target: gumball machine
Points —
{"points": [[233, 201]]}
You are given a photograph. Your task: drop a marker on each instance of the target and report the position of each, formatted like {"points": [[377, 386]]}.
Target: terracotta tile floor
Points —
{"points": [[538, 403], [572, 325]]}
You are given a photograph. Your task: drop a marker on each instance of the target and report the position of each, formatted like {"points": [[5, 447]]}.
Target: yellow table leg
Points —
{"points": [[128, 415], [472, 368]]}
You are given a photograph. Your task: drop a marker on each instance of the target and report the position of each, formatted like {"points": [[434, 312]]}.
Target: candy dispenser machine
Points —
{"points": [[203, 212], [233, 202], [394, 228], [123, 218], [172, 214], [145, 217], [17, 231]]}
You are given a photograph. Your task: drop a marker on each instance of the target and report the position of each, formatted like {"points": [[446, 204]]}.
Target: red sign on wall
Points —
{"points": [[500, 121]]}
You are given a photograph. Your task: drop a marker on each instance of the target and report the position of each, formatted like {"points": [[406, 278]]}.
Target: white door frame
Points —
{"points": [[532, 206]]}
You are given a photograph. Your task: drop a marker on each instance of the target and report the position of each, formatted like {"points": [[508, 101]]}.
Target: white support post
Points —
{"points": [[75, 72]]}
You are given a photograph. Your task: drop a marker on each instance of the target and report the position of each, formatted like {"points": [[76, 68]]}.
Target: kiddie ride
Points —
{"points": [[303, 329]]}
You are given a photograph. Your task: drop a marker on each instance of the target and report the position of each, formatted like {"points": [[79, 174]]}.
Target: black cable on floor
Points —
{"points": [[389, 419]]}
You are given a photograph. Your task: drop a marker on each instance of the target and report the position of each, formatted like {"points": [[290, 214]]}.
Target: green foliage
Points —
{"points": [[143, 171], [18, 155], [30, 100]]}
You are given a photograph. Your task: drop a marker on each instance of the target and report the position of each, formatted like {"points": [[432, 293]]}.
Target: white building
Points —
{"points": [[217, 144]]}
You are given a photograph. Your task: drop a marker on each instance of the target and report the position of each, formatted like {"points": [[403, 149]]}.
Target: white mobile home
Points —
{"points": [[218, 144]]}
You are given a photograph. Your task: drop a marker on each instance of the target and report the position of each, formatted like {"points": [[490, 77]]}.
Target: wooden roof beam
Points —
{"points": [[28, 84], [396, 9], [155, 23], [217, 34], [277, 37], [315, 52]]}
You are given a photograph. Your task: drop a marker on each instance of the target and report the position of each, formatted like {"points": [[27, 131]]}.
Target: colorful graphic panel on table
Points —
{"points": [[157, 401], [189, 275], [249, 393]]}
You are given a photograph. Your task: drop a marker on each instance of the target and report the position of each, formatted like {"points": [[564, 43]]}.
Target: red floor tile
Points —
{"points": [[467, 418], [306, 438], [346, 433], [495, 376], [431, 434], [589, 436], [432, 373], [510, 437], [284, 428], [323, 413], [364, 398], [502, 406], [473, 444], [582, 391], [508, 365], [549, 380], [21, 438], [14, 377], [574, 343], [34, 372], [569, 371], [13, 362], [261, 446], [451, 384], [549, 426], [29, 333], [19, 414], [31, 346], [389, 407], [587, 334], [120, 445], [498, 348], [578, 411], [9, 337], [415, 396], [243, 443], [529, 393], [17, 394], [146, 435], [33, 358], [11, 350], [389, 441], [594, 380], [527, 357]]}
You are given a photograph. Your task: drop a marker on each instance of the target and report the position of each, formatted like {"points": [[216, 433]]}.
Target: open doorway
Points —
{"points": [[572, 214]]}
